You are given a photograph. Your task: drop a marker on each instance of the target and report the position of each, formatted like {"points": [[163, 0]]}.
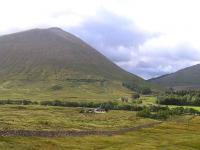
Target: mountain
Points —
{"points": [[40, 52], [51, 63], [183, 79]]}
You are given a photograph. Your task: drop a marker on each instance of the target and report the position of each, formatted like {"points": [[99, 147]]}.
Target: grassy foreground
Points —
{"points": [[175, 134], [172, 134], [62, 118]]}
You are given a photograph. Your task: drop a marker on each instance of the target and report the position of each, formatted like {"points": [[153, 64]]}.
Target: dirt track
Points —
{"points": [[28, 133]]}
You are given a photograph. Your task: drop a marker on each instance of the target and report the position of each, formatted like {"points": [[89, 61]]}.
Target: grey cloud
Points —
{"points": [[150, 63], [160, 66], [120, 40], [112, 30], [110, 34]]}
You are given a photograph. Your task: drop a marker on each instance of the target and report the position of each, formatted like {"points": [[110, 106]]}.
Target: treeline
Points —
{"points": [[104, 105], [152, 111], [18, 102], [164, 114], [181, 98], [141, 89]]}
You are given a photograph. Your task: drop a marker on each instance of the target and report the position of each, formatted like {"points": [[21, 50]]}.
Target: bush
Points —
{"points": [[136, 96], [139, 101], [56, 87], [146, 113], [163, 113], [17, 102], [145, 90], [180, 98], [82, 111], [156, 108], [142, 89]]}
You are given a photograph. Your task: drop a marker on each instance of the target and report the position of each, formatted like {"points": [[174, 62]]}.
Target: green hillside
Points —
{"points": [[183, 79], [50, 63]]}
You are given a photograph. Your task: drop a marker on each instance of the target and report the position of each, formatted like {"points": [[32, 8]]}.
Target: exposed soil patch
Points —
{"points": [[29, 133]]}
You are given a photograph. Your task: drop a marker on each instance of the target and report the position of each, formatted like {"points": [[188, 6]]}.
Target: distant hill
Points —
{"points": [[51, 63], [183, 79]]}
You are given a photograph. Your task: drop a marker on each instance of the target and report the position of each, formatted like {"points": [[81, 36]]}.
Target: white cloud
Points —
{"points": [[25, 14], [175, 23]]}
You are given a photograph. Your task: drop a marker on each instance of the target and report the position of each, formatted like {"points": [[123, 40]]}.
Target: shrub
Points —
{"points": [[180, 98], [142, 89], [56, 87], [146, 113], [82, 111], [145, 90], [136, 96], [17, 102], [164, 113]]}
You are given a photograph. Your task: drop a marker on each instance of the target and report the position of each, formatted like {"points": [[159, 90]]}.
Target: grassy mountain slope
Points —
{"points": [[185, 78], [53, 53], [53, 64]]}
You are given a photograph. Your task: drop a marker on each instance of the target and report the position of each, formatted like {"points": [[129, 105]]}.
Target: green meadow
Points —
{"points": [[65, 118], [59, 93], [63, 90], [179, 132], [176, 133], [173, 134]]}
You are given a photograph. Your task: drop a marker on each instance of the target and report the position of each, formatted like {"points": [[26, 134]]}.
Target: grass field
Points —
{"points": [[148, 100], [171, 135], [176, 133], [194, 107], [62, 118], [70, 90]]}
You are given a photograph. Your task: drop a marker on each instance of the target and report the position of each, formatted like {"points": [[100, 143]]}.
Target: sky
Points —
{"points": [[145, 37]]}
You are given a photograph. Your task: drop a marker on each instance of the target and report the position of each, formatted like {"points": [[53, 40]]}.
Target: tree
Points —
{"points": [[145, 90], [135, 96], [146, 113]]}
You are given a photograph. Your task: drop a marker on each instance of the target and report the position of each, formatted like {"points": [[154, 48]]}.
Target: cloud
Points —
{"points": [[22, 14], [111, 34], [148, 38], [143, 53], [154, 61]]}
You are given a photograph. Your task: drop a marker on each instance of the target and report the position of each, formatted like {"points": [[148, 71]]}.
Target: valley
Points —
{"points": [[58, 92]]}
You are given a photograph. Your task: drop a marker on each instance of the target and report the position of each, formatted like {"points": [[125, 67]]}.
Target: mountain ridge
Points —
{"points": [[186, 77], [59, 37], [54, 64]]}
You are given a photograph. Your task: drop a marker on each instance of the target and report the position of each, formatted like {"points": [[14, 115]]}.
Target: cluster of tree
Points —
{"points": [[141, 89], [180, 98], [17, 102], [105, 105], [153, 111], [135, 96], [164, 114]]}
